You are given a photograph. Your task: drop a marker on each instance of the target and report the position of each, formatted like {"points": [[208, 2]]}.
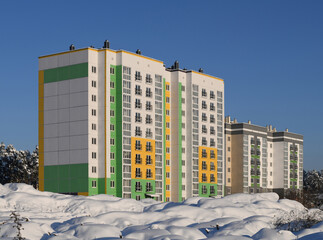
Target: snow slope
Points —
{"points": [[57, 217]]}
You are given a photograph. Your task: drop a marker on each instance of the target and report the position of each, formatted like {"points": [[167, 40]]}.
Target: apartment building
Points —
{"points": [[120, 123], [260, 159]]}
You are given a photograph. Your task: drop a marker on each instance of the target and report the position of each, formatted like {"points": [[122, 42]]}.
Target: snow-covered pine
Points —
{"points": [[19, 166]]}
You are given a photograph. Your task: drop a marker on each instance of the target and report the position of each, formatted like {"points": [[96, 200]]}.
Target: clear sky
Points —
{"points": [[269, 54]]}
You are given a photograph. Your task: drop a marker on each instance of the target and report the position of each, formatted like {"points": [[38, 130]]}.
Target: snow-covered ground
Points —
{"points": [[46, 215]]}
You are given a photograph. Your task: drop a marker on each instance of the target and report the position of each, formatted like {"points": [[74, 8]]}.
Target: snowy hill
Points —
{"points": [[46, 215]]}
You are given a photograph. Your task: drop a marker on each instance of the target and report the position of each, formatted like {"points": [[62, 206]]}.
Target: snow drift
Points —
{"points": [[46, 215]]}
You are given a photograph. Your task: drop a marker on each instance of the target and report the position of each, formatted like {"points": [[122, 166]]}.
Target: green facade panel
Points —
{"points": [[69, 178], [100, 186], [66, 73], [143, 192], [208, 193]]}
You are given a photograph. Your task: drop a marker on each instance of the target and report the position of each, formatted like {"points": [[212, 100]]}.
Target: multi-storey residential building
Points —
{"points": [[119, 123], [260, 159]]}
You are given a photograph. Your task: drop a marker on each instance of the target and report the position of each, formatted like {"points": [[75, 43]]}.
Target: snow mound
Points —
{"points": [[46, 215]]}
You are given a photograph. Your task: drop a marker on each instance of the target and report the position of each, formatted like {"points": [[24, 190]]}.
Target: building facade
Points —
{"points": [[260, 159], [119, 123]]}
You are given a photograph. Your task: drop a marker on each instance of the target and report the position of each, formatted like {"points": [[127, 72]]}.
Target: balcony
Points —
{"points": [[212, 167], [204, 167], [138, 160], [138, 119], [204, 155], [149, 107], [149, 120], [149, 80], [149, 148], [212, 155], [212, 107], [138, 91], [212, 120], [148, 161], [138, 77], [138, 133], [204, 178], [149, 94], [138, 174], [138, 105], [212, 179], [149, 134], [138, 146], [149, 175], [138, 188], [149, 188], [212, 131], [212, 144]]}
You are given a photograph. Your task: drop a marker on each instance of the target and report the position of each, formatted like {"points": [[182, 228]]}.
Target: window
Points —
{"points": [[271, 173], [94, 141], [204, 106], [138, 131], [183, 113], [112, 113], [93, 126], [229, 149], [167, 99], [167, 87], [212, 130], [271, 145], [93, 83], [167, 112], [111, 84], [111, 141], [138, 159], [167, 162], [138, 173], [138, 187], [93, 169], [149, 120], [93, 98], [229, 170], [149, 93], [229, 159], [167, 174], [212, 178], [167, 150], [148, 160], [138, 103], [93, 155], [111, 127], [183, 150], [138, 90], [204, 117], [229, 139], [212, 154], [93, 112], [138, 76], [93, 69], [149, 173], [204, 178], [183, 125], [112, 184], [229, 180], [111, 169], [212, 107], [112, 99], [212, 95], [168, 188], [271, 155], [204, 141], [149, 187], [212, 167], [93, 184], [204, 94], [183, 100], [148, 105], [204, 166], [111, 70], [148, 78], [111, 156], [138, 197], [167, 125], [138, 145], [138, 117], [204, 129], [148, 147], [183, 162], [204, 154], [183, 88]]}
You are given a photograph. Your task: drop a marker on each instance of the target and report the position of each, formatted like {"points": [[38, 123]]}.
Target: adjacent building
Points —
{"points": [[120, 123], [260, 159]]}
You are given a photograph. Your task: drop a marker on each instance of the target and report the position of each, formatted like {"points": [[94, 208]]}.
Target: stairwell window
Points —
{"points": [[93, 69]]}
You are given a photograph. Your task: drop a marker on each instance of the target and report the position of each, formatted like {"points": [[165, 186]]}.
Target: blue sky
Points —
{"points": [[268, 52]]}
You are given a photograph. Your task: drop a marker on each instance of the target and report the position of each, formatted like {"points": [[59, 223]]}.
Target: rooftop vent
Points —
{"points": [[176, 65], [106, 44], [138, 52], [249, 122], [286, 130], [201, 70], [72, 47]]}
